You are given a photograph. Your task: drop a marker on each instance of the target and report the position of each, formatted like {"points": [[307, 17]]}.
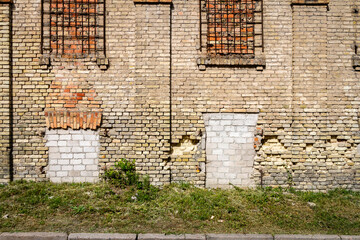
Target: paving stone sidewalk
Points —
{"points": [[117, 236]]}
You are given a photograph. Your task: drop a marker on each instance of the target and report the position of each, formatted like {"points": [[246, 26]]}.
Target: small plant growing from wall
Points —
{"points": [[124, 175]]}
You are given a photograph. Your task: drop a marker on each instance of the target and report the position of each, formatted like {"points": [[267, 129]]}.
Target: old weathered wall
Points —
{"points": [[149, 104], [30, 86], [238, 89], [4, 90]]}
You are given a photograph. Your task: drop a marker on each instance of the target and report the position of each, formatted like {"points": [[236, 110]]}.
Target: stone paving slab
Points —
{"points": [[101, 236], [171, 237], [239, 237], [306, 237], [33, 236]]}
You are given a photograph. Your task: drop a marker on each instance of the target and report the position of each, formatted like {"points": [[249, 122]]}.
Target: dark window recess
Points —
{"points": [[234, 27], [73, 28]]}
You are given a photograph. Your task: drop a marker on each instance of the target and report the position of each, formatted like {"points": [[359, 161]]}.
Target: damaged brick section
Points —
{"points": [[188, 159]]}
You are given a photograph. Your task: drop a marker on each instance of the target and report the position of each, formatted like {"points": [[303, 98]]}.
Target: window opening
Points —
{"points": [[73, 28], [231, 26]]}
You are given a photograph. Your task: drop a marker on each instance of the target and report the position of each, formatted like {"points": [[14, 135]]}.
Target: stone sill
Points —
{"points": [[258, 61], [310, 2], [356, 62], [153, 1]]}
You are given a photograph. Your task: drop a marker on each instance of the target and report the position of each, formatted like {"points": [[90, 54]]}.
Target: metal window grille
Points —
{"points": [[73, 28], [231, 26]]}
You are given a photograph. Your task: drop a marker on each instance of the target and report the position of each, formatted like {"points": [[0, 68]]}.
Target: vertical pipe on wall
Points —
{"points": [[104, 28], [170, 81], [42, 27], [11, 106], [200, 27]]}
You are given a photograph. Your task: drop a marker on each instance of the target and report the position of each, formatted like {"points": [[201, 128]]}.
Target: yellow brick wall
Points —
{"points": [[153, 95]]}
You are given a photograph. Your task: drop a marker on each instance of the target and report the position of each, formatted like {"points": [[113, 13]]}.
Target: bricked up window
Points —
{"points": [[73, 28], [231, 26]]}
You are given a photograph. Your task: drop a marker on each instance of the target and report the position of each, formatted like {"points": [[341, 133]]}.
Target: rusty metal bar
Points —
{"points": [[50, 27], [221, 27], [227, 26], [42, 27], [82, 26], [253, 25], [95, 27], [215, 25], [200, 27], [76, 17], [63, 28], [240, 15], [104, 27], [234, 26], [246, 28], [70, 25], [88, 27], [262, 25]]}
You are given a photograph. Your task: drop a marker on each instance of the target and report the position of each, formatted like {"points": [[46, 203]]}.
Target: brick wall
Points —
{"points": [[150, 102], [4, 91], [310, 111], [30, 88]]}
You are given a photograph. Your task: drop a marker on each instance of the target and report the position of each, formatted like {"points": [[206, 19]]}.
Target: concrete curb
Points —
{"points": [[171, 237], [101, 236], [118, 236], [33, 236], [306, 237], [239, 237]]}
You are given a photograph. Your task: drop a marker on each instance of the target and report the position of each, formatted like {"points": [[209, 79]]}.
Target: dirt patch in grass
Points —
{"points": [[178, 208]]}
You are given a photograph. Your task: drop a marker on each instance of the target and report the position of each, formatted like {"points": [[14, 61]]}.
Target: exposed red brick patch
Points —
{"points": [[5, 1], [72, 119]]}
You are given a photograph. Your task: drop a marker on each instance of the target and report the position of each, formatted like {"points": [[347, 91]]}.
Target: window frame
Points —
{"points": [[256, 59], [50, 29]]}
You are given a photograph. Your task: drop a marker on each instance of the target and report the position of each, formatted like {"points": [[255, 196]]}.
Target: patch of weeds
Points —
{"points": [[264, 196], [199, 204], [311, 196], [145, 191], [334, 222], [124, 175], [78, 209], [184, 185], [56, 202]]}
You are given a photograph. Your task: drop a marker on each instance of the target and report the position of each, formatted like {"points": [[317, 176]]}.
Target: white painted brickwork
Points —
{"points": [[229, 149], [73, 155]]}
